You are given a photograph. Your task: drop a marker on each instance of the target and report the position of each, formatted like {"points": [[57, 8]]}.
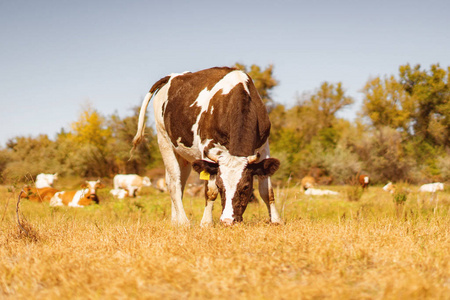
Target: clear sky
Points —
{"points": [[57, 55]]}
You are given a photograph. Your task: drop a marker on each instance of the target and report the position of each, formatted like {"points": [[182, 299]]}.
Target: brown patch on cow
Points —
{"points": [[244, 123], [179, 116], [308, 182], [66, 197], [39, 195]]}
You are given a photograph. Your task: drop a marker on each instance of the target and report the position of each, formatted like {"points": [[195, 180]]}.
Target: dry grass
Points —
{"points": [[328, 248]]}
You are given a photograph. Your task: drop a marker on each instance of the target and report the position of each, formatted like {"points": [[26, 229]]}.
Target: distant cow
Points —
{"points": [[318, 192], [160, 185], [432, 187], [119, 193], [215, 121], [364, 181], [45, 180], [389, 188], [38, 195], [130, 182], [79, 198], [308, 182]]}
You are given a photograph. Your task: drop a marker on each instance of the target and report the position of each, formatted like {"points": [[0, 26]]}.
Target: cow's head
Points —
{"points": [[234, 179], [92, 187], [146, 181]]}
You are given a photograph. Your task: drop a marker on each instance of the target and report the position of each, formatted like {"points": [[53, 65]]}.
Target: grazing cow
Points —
{"points": [[39, 195], [215, 121], [308, 182], [78, 198], [364, 181], [389, 188], [161, 185], [432, 187], [131, 182], [45, 180], [318, 192]]}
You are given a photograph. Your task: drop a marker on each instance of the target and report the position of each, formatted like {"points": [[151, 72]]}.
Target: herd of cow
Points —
{"points": [[213, 121], [125, 185]]}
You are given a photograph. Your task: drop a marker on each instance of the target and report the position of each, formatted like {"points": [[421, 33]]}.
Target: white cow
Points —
{"points": [[45, 180], [130, 182], [389, 188], [432, 187], [318, 192], [119, 193]]}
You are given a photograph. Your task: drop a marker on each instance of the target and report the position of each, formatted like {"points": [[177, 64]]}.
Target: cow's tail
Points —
{"points": [[141, 123]]}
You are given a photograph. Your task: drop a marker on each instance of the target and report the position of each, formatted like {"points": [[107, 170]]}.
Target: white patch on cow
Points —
{"points": [[56, 200], [231, 168], [77, 197], [366, 179]]}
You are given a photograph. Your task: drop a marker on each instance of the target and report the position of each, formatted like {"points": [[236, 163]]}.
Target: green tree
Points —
{"points": [[431, 92], [386, 103]]}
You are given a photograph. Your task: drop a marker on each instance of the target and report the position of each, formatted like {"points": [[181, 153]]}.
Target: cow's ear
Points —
{"points": [[83, 185], [203, 165], [100, 185], [266, 167]]}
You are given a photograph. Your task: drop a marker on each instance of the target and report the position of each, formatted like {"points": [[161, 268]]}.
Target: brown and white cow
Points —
{"points": [[80, 198], [308, 182], [39, 195], [213, 120], [364, 181]]}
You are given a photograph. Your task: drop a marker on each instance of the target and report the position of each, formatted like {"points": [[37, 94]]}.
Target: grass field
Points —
{"points": [[329, 248]]}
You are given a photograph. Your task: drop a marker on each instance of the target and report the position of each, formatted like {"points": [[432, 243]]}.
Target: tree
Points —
{"points": [[431, 92], [386, 103]]}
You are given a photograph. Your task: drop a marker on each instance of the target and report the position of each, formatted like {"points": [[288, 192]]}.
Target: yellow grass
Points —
{"points": [[329, 248]]}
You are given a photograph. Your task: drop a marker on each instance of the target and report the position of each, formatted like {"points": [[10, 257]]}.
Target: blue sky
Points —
{"points": [[56, 56]]}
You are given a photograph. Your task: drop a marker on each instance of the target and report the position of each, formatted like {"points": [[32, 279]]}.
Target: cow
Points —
{"points": [[318, 192], [432, 187], [119, 193], [308, 182], [38, 195], [131, 182], [160, 185], [45, 180], [80, 198], [215, 122], [389, 187], [364, 181]]}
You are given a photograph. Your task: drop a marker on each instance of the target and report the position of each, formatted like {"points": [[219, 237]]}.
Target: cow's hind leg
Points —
{"points": [[177, 172]]}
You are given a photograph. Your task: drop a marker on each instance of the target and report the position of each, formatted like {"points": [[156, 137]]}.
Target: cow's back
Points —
{"points": [[219, 105]]}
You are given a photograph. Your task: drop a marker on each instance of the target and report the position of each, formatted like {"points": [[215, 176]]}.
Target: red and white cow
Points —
{"points": [[79, 198], [364, 181], [215, 121], [45, 180], [132, 183]]}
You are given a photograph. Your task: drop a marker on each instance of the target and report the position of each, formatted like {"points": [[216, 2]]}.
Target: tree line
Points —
{"points": [[402, 133]]}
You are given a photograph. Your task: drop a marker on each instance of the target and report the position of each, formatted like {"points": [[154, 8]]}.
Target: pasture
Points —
{"points": [[328, 248]]}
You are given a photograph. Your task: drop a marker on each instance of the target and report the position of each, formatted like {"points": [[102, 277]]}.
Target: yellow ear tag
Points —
{"points": [[204, 175]]}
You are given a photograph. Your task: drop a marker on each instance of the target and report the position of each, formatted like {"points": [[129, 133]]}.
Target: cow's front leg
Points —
{"points": [[266, 192], [211, 193]]}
